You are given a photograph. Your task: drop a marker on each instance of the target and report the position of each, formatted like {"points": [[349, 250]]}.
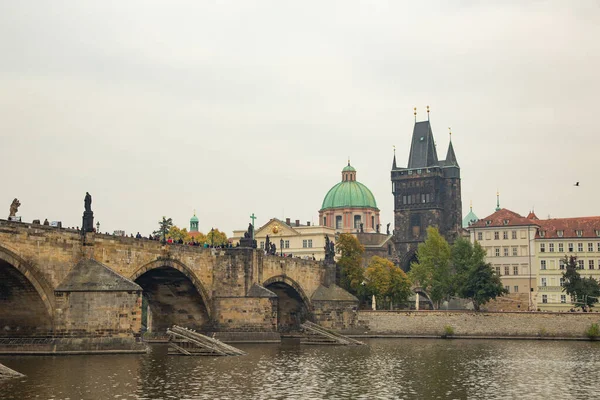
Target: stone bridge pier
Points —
{"points": [[101, 294]]}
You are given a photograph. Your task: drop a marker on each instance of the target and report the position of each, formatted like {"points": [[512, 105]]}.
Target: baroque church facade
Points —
{"points": [[426, 193]]}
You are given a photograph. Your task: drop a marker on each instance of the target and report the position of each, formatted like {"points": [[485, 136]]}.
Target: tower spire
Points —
{"points": [[497, 200], [415, 112]]}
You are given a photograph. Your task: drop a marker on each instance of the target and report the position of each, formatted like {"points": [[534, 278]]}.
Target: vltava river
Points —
{"points": [[385, 369]]}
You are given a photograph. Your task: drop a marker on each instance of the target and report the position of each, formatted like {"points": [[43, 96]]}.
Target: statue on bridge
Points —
{"points": [[247, 240], [14, 207], [268, 245], [329, 250], [88, 215], [388, 228]]}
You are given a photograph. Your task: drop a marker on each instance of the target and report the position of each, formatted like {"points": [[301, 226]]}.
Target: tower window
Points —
{"points": [[338, 222], [356, 221]]}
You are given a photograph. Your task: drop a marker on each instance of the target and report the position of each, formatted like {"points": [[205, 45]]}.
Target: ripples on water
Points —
{"points": [[385, 369]]}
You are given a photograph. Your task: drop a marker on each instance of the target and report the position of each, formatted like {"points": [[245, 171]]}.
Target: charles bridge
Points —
{"points": [[88, 291]]}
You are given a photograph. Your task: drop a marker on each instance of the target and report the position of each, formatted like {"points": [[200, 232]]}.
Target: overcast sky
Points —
{"points": [[240, 107]]}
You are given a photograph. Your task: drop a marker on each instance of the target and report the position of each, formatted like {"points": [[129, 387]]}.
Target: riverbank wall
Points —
{"points": [[472, 324]]}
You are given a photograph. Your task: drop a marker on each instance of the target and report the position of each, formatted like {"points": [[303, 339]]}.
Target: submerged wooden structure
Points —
{"points": [[188, 342], [316, 334]]}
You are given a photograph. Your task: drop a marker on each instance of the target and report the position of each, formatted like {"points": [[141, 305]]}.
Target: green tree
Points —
{"points": [[216, 238], [386, 281], [586, 291], [350, 264], [432, 271], [163, 228], [474, 278]]}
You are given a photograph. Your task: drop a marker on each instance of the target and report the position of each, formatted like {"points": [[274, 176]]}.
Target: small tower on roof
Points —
{"points": [[194, 223]]}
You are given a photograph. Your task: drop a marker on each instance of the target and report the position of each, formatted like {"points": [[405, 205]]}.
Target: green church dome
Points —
{"points": [[349, 168], [194, 218]]}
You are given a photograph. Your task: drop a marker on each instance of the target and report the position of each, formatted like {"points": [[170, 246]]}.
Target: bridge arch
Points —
{"points": [[173, 294], [26, 297], [293, 305], [421, 292]]}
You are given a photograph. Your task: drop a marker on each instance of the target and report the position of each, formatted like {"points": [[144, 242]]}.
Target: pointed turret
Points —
{"points": [[394, 162], [450, 156], [422, 148]]}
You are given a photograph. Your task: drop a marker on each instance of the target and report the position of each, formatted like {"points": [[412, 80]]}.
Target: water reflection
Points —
{"points": [[387, 368]]}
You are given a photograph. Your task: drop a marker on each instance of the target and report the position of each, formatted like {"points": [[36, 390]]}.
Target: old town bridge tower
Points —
{"points": [[426, 193]]}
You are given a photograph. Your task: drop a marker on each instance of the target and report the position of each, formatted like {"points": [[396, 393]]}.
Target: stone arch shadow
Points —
{"points": [[180, 270], [32, 276], [421, 292], [294, 306], [407, 259]]}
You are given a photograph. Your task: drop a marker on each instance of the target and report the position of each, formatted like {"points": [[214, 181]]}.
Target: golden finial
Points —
{"points": [[194, 212], [415, 112], [471, 205], [427, 109], [348, 160], [394, 146]]}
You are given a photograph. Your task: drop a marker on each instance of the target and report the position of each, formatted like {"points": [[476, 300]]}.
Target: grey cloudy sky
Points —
{"points": [[234, 107]]}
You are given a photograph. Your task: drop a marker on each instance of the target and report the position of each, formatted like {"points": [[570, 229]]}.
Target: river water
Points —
{"points": [[385, 369]]}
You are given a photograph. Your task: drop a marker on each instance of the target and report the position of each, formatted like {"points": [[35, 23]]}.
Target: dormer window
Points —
{"points": [[598, 232], [579, 233], [560, 233], [488, 222], [542, 234], [505, 222]]}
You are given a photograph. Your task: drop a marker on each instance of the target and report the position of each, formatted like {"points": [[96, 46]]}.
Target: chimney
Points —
{"points": [[307, 223], [297, 222], [287, 221]]}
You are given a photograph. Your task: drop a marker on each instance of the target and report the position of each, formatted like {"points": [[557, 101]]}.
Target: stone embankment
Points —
{"points": [[471, 324], [6, 372]]}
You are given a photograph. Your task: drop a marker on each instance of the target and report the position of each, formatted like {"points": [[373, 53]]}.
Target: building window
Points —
{"points": [[598, 247], [570, 246], [514, 234], [542, 234], [545, 298], [357, 222], [561, 264], [544, 282], [579, 264], [262, 245], [516, 289], [304, 243], [338, 222], [579, 233], [497, 251], [309, 243], [561, 282], [515, 251], [543, 264], [287, 244], [559, 233], [506, 252], [389, 249], [580, 247], [480, 236], [563, 298], [505, 235], [561, 248], [551, 247], [496, 235], [591, 264], [542, 247], [507, 288], [506, 270], [498, 271], [516, 270], [590, 247]]}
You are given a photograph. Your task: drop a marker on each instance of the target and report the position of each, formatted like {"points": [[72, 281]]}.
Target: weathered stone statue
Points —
{"points": [[388, 228], [329, 250], [268, 245], [378, 226], [88, 215], [88, 202], [361, 228], [247, 240], [14, 207], [273, 249]]}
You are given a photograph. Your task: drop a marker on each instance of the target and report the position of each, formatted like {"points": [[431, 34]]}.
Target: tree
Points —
{"points": [[350, 264], [474, 278], [163, 228], [432, 270], [387, 281], [586, 291], [179, 234], [216, 238]]}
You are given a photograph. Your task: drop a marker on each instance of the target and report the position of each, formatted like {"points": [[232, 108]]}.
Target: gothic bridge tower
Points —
{"points": [[426, 193]]}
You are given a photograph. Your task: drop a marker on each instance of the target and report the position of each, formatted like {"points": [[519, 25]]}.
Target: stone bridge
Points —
{"points": [[55, 282]]}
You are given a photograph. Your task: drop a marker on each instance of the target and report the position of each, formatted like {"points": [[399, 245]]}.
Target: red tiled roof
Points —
{"points": [[587, 225], [503, 217], [532, 215]]}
